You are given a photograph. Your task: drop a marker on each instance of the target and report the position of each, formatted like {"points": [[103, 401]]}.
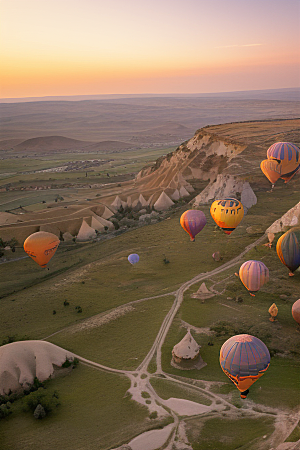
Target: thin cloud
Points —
{"points": [[239, 45]]}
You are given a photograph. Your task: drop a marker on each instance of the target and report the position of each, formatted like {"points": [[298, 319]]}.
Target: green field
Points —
{"points": [[98, 278]]}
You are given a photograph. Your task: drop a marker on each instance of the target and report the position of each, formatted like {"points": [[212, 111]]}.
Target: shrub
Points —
{"points": [[153, 415]]}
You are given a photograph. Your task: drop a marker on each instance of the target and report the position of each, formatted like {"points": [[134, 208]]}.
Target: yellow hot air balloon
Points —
{"points": [[227, 213], [41, 246], [273, 311]]}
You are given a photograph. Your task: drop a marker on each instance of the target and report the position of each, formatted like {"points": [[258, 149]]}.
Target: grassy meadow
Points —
{"points": [[95, 411]]}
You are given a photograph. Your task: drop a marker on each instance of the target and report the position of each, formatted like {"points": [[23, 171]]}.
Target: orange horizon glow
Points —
{"points": [[85, 48]]}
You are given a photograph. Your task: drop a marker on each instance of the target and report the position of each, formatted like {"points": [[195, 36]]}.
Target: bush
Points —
{"points": [[153, 415], [48, 400]]}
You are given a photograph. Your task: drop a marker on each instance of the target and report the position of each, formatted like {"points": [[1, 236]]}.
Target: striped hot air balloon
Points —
{"points": [[227, 213], [284, 152], [244, 359], [288, 249], [253, 274], [284, 160], [41, 246], [193, 221]]}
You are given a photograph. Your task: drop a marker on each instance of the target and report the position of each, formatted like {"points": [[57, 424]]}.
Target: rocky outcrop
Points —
{"points": [[163, 202], [227, 186], [86, 232], [289, 219]]}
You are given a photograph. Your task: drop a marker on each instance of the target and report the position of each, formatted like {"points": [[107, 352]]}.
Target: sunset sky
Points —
{"points": [[86, 47]]}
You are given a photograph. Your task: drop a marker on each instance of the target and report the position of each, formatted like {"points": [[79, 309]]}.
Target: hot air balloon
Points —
{"points": [[193, 221], [296, 311], [271, 169], [253, 275], [284, 152], [41, 246], [133, 258], [283, 162], [227, 213], [244, 359], [273, 311], [288, 249]]}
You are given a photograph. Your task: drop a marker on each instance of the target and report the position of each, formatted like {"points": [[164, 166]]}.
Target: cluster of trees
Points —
{"points": [[12, 243]]}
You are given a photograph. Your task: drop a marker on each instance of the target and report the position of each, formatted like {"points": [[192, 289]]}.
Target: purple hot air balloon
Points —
{"points": [[193, 221], [133, 258]]}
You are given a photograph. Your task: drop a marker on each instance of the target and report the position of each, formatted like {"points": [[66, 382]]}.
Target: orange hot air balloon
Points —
{"points": [[271, 169], [227, 213], [41, 246], [296, 311]]}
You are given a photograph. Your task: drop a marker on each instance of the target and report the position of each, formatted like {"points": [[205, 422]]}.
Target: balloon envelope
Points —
{"points": [[193, 221], [288, 249], [271, 169], [296, 311], [133, 258], [41, 246], [244, 359], [227, 213], [284, 151], [253, 275]]}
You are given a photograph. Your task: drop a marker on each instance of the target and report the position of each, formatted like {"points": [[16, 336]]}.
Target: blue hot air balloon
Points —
{"points": [[133, 258]]}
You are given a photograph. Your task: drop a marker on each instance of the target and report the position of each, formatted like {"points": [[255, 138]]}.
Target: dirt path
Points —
{"points": [[140, 378]]}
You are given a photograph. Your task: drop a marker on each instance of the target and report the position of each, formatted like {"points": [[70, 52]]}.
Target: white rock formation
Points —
{"points": [[142, 200], [67, 237], [104, 222], [107, 213], [175, 196], [203, 292], [163, 202], [183, 192], [227, 186], [187, 348], [96, 224], [21, 362], [289, 219], [117, 203], [86, 232]]}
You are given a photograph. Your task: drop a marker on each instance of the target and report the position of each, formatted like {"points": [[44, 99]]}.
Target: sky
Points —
{"points": [[91, 47]]}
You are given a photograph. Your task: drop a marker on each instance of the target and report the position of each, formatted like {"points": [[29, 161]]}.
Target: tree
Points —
{"points": [[39, 412]]}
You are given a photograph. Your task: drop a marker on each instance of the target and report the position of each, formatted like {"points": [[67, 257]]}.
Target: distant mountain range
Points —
{"points": [[274, 94]]}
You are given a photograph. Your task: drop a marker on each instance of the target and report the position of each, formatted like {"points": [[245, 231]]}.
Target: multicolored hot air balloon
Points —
{"points": [[283, 162], [41, 246], [133, 258], [244, 359], [253, 274], [296, 311], [227, 213], [284, 152], [288, 249], [193, 221]]}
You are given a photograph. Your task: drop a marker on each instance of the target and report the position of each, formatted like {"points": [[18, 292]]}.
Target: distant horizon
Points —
{"points": [[112, 96]]}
